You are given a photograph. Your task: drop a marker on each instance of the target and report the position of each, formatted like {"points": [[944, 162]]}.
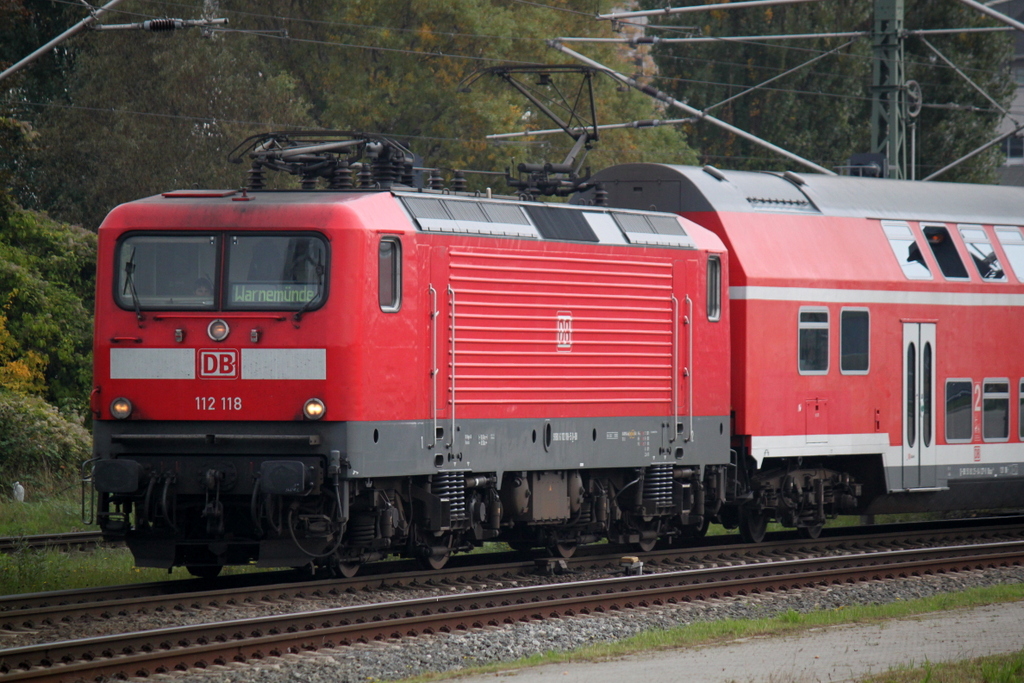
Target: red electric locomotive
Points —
{"points": [[331, 376], [875, 332]]}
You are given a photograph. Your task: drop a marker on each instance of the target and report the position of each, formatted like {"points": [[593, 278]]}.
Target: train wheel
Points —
{"points": [[811, 532], [646, 544], [347, 569], [436, 557], [434, 551], [565, 549], [753, 526], [204, 571]]}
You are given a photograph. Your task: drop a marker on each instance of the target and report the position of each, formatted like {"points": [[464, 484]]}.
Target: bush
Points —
{"points": [[39, 446], [47, 270]]}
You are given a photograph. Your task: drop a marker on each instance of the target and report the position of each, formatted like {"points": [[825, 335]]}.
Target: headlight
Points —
{"points": [[218, 330], [314, 409], [121, 408]]}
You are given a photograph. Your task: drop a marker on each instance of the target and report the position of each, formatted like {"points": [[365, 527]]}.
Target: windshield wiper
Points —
{"points": [[129, 286], [319, 268]]}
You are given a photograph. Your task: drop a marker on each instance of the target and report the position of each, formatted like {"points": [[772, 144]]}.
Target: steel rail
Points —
{"points": [[181, 648]]}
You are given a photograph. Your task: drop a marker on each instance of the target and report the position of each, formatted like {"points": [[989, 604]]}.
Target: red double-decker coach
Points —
{"points": [[876, 328]]}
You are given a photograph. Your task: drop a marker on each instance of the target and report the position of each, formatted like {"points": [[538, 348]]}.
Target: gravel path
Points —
{"points": [[452, 652]]}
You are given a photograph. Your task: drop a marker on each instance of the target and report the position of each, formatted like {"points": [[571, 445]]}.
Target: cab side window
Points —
{"points": [[714, 288], [389, 274]]}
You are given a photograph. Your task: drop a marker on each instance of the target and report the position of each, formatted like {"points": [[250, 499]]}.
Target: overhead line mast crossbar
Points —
{"points": [[698, 8], [93, 17], [703, 116], [654, 40]]}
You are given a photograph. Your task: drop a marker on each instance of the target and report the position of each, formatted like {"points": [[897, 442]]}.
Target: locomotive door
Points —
{"points": [[439, 302], [918, 405], [682, 350]]}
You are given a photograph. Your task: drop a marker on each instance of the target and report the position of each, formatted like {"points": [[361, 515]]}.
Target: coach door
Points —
{"points": [[918, 405]]}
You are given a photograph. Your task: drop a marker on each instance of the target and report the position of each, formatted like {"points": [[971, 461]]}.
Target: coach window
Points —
{"points": [[714, 288], [995, 398], [958, 410], [945, 251], [982, 253], [389, 274], [813, 331], [854, 341], [1020, 412], [1013, 245], [908, 253]]}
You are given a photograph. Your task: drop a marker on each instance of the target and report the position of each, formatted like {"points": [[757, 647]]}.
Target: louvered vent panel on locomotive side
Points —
{"points": [[534, 329]]}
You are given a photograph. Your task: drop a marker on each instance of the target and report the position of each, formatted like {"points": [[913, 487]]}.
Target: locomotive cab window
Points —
{"points": [[714, 288], [275, 272], [166, 271], [854, 341], [995, 399], [946, 255], [389, 274], [908, 253], [813, 341], [958, 410], [984, 256]]}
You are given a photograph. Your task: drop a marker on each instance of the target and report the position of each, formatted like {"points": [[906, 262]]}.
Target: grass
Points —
{"points": [[30, 571], [994, 669], [42, 515], [998, 669]]}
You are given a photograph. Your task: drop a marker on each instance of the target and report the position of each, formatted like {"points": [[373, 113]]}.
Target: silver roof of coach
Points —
{"points": [[683, 189]]}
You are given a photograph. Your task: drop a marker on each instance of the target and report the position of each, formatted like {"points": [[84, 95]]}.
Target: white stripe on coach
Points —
{"points": [[876, 296]]}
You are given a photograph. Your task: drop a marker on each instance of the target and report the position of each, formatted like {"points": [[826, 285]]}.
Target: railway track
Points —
{"points": [[199, 645], [77, 540], [33, 610]]}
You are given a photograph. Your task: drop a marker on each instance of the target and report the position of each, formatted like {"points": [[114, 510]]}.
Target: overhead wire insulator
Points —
{"points": [[162, 24]]}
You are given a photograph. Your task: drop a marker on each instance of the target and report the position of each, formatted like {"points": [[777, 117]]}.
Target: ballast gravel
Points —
{"points": [[454, 651]]}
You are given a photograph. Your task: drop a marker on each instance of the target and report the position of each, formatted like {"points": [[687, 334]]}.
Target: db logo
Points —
{"points": [[563, 334], [218, 363]]}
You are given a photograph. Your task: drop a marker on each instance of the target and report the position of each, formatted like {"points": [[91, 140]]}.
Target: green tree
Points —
{"points": [[409, 83], [822, 111], [145, 113]]}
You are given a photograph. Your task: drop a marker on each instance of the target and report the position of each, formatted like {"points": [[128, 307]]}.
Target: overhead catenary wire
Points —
{"points": [[646, 123]]}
